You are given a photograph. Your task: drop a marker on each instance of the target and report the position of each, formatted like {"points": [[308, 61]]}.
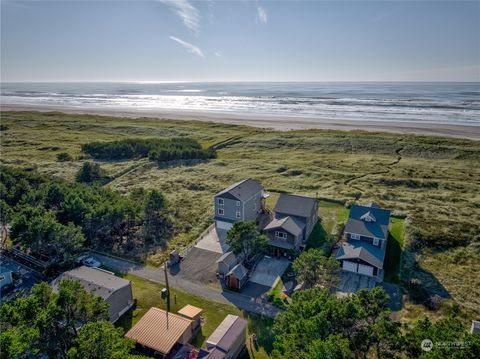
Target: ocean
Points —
{"points": [[442, 103]]}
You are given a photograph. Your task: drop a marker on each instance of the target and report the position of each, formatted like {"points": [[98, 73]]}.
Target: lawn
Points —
{"points": [[331, 215], [148, 294], [395, 245], [433, 183]]}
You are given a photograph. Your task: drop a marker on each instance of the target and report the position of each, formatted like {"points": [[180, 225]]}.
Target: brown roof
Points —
{"points": [[151, 330], [190, 311]]}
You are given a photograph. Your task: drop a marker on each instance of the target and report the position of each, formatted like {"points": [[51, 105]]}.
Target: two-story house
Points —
{"points": [[294, 219], [241, 201], [366, 234]]}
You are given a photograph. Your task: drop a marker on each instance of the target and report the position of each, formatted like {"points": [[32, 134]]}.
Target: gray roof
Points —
{"points": [[289, 224], [357, 223], [96, 281], [242, 190], [228, 258], [295, 205], [239, 271], [227, 333], [361, 250]]}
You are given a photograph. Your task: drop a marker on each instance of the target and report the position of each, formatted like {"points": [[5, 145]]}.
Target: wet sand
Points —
{"points": [[281, 123]]}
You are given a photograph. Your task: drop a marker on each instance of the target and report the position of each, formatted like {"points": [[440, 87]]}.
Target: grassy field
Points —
{"points": [[432, 180], [148, 294]]}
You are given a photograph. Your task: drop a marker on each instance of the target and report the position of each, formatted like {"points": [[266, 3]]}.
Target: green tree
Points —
{"points": [[90, 172], [100, 340], [157, 223], [317, 324], [314, 269], [246, 240], [46, 322]]}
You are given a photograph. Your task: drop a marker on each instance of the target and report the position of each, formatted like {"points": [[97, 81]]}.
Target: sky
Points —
{"points": [[183, 40]]}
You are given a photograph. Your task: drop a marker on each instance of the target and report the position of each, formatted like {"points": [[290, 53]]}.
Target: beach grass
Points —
{"points": [[432, 181]]}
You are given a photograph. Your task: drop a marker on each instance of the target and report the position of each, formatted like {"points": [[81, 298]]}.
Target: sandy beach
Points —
{"points": [[281, 123]]}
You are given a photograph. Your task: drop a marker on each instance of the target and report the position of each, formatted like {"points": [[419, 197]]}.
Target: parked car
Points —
{"points": [[91, 262], [88, 261]]}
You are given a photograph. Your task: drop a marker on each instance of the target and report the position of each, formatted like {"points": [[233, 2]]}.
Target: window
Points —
{"points": [[254, 205], [221, 201], [237, 214], [238, 203], [282, 235], [376, 241], [221, 211], [354, 236]]}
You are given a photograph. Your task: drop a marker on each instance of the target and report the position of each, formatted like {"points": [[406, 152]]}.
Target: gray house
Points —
{"points": [[366, 235], [241, 201], [116, 291], [294, 219]]}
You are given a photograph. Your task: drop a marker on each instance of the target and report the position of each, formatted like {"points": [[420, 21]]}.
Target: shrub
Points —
{"points": [[64, 157], [89, 173]]}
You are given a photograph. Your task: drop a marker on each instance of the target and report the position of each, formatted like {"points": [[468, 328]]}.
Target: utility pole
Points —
{"points": [[168, 288]]}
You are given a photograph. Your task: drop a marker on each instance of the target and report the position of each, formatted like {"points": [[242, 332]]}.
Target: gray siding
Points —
{"points": [[248, 209], [118, 301], [308, 221], [291, 239]]}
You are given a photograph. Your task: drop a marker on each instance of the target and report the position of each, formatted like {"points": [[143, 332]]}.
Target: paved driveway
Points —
{"points": [[199, 266], [353, 282], [269, 270], [253, 305], [213, 241]]}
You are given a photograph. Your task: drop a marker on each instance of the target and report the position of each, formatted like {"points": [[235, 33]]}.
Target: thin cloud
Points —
{"points": [[186, 12], [188, 46], [218, 53], [262, 15]]}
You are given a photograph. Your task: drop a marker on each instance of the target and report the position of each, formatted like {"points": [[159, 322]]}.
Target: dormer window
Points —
{"points": [[221, 201], [368, 217]]}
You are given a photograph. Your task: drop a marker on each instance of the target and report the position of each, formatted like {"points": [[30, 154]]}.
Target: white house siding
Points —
{"points": [[366, 270]]}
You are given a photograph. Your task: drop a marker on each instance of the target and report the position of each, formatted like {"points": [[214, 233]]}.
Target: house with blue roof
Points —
{"points": [[366, 234]]}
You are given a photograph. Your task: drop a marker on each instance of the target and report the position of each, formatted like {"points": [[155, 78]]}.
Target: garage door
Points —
{"points": [[367, 270], [224, 225], [350, 266]]}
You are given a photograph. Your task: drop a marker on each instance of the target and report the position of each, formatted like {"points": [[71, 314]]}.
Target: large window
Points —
{"points": [[281, 235], [237, 214], [355, 236], [221, 211], [221, 201]]}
